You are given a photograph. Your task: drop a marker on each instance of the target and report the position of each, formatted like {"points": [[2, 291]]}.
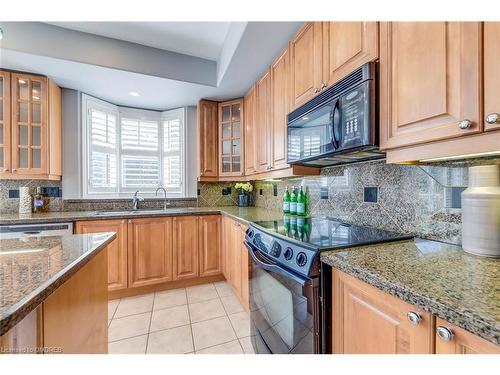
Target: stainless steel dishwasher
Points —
{"points": [[35, 230]]}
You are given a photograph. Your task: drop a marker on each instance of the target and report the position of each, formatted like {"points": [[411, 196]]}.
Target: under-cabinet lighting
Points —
{"points": [[133, 93], [466, 156]]}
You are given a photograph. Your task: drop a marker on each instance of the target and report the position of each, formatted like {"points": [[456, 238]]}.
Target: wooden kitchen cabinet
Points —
{"points": [[5, 127], [245, 271], [250, 131], [208, 140], [347, 46], [210, 245], [460, 341], [150, 251], [280, 104], [117, 250], [491, 75], [185, 247], [306, 63], [226, 246], [231, 138], [263, 131], [430, 82], [235, 257], [369, 321]]}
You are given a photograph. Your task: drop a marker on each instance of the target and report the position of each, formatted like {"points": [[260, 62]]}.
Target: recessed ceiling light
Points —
{"points": [[133, 93]]}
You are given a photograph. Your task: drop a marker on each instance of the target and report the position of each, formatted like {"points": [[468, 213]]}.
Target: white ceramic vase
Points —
{"points": [[481, 212]]}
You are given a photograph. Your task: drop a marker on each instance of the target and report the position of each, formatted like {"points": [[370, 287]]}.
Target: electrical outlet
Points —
{"points": [[198, 192], [275, 190], [226, 191], [261, 192], [323, 192], [370, 194], [453, 196], [14, 193]]}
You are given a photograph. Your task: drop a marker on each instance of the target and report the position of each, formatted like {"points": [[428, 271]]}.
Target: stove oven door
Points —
{"points": [[284, 308]]}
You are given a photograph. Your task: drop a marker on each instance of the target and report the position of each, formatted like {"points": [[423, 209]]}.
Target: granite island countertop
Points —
{"points": [[440, 278], [31, 268], [245, 215]]}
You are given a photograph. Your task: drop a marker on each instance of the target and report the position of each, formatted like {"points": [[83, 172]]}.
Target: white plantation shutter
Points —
{"points": [[130, 149], [173, 151], [102, 150], [140, 154]]}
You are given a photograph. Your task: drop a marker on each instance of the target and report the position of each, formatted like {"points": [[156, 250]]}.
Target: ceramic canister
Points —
{"points": [[481, 212], [24, 200]]}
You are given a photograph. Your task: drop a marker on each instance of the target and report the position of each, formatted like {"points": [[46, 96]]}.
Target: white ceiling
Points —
{"points": [[200, 39], [247, 51]]}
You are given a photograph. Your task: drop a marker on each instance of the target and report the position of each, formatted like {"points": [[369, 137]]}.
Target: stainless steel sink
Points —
{"points": [[143, 212]]}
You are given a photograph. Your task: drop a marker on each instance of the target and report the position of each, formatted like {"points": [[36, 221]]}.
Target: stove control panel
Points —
{"points": [[293, 256]]}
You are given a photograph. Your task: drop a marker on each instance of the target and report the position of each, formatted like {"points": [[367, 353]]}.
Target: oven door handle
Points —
{"points": [[273, 267]]}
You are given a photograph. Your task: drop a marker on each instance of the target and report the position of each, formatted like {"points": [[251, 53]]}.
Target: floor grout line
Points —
{"points": [[190, 326], [222, 343]]}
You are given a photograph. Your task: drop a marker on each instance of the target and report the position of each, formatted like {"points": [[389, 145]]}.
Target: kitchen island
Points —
{"points": [[53, 294]]}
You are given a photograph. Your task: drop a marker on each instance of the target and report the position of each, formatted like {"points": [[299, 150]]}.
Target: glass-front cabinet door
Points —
{"points": [[5, 160], [231, 138], [29, 124]]}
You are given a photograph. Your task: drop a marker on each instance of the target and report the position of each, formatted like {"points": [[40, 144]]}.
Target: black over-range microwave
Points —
{"points": [[338, 126]]}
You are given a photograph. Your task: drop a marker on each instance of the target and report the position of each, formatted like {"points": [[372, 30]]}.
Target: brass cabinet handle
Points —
{"points": [[493, 118], [444, 333], [414, 318], [323, 85], [465, 124]]}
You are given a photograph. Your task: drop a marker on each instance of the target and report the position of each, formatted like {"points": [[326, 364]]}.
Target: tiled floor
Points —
{"points": [[204, 319]]}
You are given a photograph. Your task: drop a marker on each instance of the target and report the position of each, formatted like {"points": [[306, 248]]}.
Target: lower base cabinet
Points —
{"points": [[451, 339], [235, 259], [367, 320], [117, 250]]}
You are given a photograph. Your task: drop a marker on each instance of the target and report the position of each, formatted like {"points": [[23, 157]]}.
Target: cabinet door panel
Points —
{"points": [[185, 247], [245, 271], [231, 138], [210, 251], [306, 63], [429, 81], [491, 72], [30, 141], [280, 91], [117, 250], [347, 46], [208, 138], [149, 251], [235, 257], [226, 245], [264, 110], [369, 321], [250, 132], [5, 124], [463, 342]]}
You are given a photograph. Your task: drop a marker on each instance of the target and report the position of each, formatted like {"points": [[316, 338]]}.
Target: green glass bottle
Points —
{"points": [[286, 201], [293, 202], [301, 203]]}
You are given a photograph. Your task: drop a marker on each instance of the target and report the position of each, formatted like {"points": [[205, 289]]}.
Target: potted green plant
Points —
{"points": [[245, 189]]}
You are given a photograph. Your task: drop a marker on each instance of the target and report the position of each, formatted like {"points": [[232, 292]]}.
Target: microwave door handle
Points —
{"points": [[333, 137], [272, 267]]}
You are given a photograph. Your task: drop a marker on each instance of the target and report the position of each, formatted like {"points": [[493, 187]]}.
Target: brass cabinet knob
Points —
{"points": [[444, 333], [493, 118]]}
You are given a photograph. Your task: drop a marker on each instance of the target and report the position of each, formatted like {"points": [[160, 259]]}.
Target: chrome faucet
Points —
{"points": [[135, 200], [165, 202]]}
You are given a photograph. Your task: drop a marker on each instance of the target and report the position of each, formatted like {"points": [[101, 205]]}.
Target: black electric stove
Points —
{"points": [[287, 312]]}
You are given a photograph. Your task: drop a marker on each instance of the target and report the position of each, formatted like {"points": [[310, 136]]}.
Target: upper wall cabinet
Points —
{"points": [[280, 100], [250, 132], [231, 138], [208, 140], [346, 46], [264, 118], [306, 67], [430, 81], [31, 143], [5, 144], [491, 75]]}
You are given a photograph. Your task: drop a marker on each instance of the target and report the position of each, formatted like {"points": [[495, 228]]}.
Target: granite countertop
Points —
{"points": [[31, 268], [460, 288], [245, 215]]}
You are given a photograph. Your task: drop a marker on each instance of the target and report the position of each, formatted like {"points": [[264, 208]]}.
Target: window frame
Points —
{"points": [[88, 103]]}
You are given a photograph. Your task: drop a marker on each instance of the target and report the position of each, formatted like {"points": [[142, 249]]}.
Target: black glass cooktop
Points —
{"points": [[327, 233]]}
